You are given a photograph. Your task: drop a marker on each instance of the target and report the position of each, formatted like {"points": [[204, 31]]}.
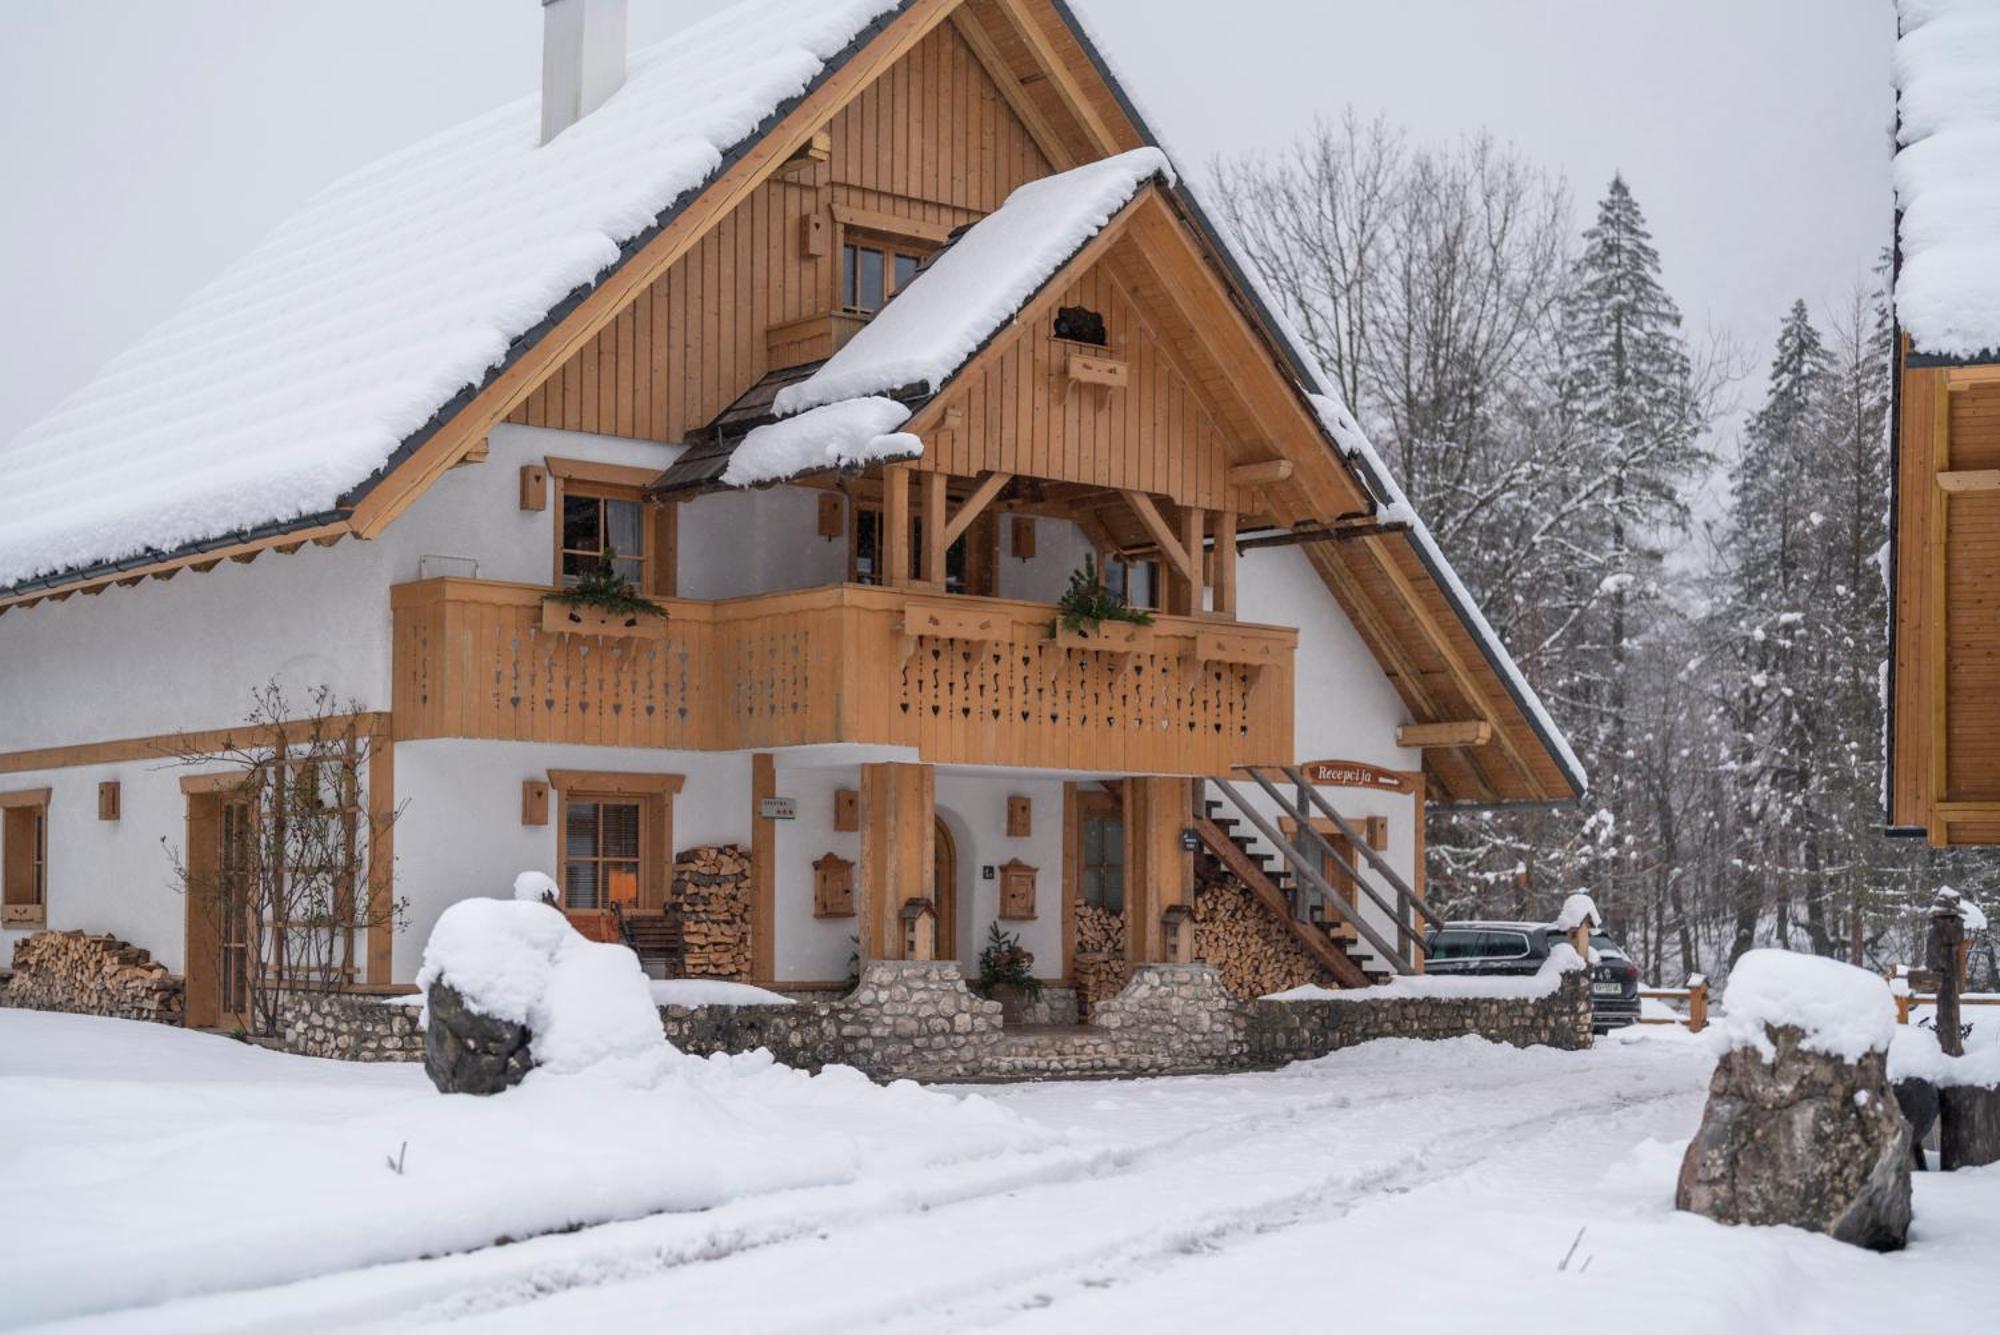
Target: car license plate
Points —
{"points": [[1608, 989]]}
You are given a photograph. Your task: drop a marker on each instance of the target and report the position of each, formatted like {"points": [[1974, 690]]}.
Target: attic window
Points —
{"points": [[1079, 324], [870, 274]]}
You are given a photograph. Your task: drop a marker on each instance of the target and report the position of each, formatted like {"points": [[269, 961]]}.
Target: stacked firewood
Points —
{"points": [[1255, 953], [91, 975], [1101, 967], [711, 892]]}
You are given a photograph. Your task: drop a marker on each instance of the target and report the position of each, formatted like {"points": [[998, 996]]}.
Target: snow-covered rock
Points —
{"points": [[537, 887], [1577, 910], [1838, 1009]]}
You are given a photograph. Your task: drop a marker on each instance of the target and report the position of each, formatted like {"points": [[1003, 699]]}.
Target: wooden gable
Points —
{"points": [[929, 145]]}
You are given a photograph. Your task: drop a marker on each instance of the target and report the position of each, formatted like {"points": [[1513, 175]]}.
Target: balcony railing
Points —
{"points": [[961, 680]]}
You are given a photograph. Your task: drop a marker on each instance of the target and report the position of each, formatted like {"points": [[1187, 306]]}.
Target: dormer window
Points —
{"points": [[871, 273]]}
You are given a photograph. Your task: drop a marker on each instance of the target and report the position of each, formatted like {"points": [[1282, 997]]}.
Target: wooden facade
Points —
{"points": [[1945, 703]]}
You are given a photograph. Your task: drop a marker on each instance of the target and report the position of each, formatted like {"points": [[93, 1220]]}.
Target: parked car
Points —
{"points": [[1502, 948]]}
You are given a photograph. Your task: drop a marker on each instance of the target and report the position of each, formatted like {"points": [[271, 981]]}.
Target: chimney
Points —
{"points": [[583, 59]]}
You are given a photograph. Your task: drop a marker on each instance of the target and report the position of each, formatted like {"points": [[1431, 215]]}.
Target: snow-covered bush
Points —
{"points": [[1842, 1011]]}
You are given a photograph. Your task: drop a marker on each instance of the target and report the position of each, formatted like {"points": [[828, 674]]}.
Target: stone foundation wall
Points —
{"points": [[92, 975], [349, 1027], [711, 890], [1256, 953]]}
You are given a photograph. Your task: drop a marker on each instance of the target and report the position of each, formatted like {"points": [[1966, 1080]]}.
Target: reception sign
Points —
{"points": [[1356, 774]]}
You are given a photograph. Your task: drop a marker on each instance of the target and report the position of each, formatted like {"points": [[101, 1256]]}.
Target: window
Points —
{"points": [[969, 563], [24, 858], [1101, 827], [615, 837], [872, 272], [603, 505], [1135, 583]]}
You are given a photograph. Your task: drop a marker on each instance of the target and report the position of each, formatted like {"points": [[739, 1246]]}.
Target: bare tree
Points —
{"points": [[286, 880]]}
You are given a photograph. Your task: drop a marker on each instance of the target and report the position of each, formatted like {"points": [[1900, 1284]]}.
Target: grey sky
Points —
{"points": [[151, 141]]}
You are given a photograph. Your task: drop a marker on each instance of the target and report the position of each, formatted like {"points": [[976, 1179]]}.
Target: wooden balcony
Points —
{"points": [[961, 680]]}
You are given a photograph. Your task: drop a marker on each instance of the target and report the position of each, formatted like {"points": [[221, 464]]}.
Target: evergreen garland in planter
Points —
{"points": [[603, 588], [1086, 603]]}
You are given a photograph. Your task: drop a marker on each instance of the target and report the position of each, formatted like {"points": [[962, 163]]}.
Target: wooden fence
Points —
{"points": [[1695, 995]]}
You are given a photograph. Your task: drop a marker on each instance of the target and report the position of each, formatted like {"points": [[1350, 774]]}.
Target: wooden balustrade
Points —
{"points": [[961, 680]]}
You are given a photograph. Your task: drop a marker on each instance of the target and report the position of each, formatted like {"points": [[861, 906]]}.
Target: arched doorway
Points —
{"points": [[944, 891]]}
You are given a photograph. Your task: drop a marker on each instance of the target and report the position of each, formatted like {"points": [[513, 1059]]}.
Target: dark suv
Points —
{"points": [[1522, 947]]}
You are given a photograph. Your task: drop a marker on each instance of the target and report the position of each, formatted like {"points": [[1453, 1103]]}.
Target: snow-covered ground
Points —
{"points": [[1405, 1186]]}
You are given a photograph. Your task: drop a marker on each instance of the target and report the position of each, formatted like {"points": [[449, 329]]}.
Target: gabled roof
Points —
{"points": [[1948, 179], [371, 342], [305, 370]]}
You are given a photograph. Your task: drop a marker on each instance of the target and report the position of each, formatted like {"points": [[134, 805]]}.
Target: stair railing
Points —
{"points": [[1309, 874]]}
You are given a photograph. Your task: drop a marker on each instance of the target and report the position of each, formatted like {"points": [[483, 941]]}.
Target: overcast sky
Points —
{"points": [[149, 142]]}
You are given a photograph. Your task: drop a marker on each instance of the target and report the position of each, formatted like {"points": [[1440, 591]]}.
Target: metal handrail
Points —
{"points": [[1375, 859], [1361, 882]]}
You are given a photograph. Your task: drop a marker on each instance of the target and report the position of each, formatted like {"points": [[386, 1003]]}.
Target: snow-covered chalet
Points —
{"points": [[846, 333]]}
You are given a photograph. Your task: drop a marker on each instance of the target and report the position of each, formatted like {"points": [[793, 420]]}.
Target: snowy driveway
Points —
{"points": [[1395, 1186]]}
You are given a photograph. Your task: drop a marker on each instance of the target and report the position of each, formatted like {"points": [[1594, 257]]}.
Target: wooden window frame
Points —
{"points": [[888, 233], [24, 858], [619, 482], [654, 795], [1100, 806]]}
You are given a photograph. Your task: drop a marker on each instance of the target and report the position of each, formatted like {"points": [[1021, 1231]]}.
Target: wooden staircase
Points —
{"points": [[656, 938], [1331, 943]]}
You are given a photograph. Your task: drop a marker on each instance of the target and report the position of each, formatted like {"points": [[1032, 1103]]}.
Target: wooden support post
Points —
{"points": [[1224, 560], [1697, 1003], [1194, 522], [1947, 931], [381, 857], [763, 868], [936, 522], [1158, 873], [898, 832], [896, 526]]}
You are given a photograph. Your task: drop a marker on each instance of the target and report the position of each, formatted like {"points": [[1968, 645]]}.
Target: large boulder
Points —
{"points": [[1802, 1126], [469, 1053], [1968, 1126]]}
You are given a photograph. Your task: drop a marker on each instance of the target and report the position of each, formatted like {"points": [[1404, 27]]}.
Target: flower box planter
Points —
{"points": [[563, 619], [1111, 637]]}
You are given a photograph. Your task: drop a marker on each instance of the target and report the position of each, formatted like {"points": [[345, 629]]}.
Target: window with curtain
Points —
{"points": [[601, 851], [593, 521]]}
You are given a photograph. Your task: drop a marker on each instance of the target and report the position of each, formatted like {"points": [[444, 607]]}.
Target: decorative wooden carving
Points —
{"points": [[833, 887], [832, 517], [108, 800], [534, 487], [563, 619], [847, 811], [1020, 816], [534, 802], [1017, 890], [1024, 537]]}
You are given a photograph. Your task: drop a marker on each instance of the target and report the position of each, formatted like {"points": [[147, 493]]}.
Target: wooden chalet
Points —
{"points": [[854, 328], [1944, 669]]}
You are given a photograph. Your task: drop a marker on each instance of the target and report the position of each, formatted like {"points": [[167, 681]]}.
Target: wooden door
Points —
{"points": [[944, 892], [219, 862]]}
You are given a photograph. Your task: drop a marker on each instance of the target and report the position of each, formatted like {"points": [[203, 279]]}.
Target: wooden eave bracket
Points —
{"points": [[1444, 736]]}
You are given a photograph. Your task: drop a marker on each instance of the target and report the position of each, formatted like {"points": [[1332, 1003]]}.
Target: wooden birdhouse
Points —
{"points": [[1177, 927], [919, 929]]}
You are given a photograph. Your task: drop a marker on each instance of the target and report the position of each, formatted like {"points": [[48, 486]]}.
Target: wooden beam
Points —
{"points": [[1223, 558], [1074, 100], [1261, 474], [1339, 533], [1193, 524], [895, 539], [935, 523], [763, 868], [505, 392], [163, 746], [1170, 546], [381, 944], [1975, 479], [1011, 90], [982, 496], [1425, 736]]}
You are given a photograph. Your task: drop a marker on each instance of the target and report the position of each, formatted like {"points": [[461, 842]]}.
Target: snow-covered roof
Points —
{"points": [[979, 283], [1948, 176], [300, 372]]}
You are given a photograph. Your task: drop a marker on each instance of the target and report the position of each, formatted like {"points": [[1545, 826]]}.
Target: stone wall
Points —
{"points": [[1286, 1031], [92, 975], [351, 1027], [711, 890], [1255, 952]]}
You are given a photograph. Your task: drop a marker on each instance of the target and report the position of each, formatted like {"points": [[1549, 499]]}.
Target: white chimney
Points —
{"points": [[583, 59]]}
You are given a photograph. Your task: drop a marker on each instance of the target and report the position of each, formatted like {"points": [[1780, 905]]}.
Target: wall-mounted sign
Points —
{"points": [[778, 808], [1356, 774], [1190, 840]]}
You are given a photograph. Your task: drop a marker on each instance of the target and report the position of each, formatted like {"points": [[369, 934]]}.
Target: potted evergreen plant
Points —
{"points": [[1007, 975], [1092, 616], [602, 602]]}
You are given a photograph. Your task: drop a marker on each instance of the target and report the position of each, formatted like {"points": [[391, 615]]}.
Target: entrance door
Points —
{"points": [[944, 891], [219, 867]]}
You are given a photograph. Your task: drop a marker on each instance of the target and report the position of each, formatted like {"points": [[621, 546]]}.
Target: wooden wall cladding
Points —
{"points": [[931, 140]]}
